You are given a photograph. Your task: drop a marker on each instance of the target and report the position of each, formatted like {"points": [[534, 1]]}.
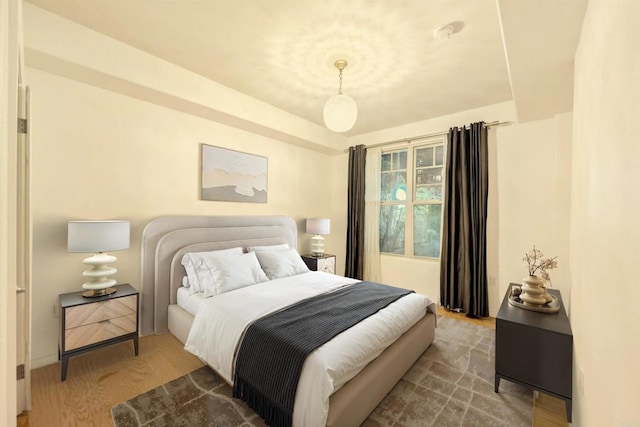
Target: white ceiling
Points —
{"points": [[282, 51]]}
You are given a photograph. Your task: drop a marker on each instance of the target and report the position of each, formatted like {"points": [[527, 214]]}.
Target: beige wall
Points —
{"points": [[101, 155], [534, 181], [605, 219]]}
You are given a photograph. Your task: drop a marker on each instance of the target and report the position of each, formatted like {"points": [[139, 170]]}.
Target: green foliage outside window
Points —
{"points": [[426, 230], [392, 219], [418, 190]]}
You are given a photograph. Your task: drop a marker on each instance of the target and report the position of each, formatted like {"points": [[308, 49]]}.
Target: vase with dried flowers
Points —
{"points": [[533, 290]]}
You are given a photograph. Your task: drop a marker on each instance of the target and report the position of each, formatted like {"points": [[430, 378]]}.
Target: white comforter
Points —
{"points": [[222, 319]]}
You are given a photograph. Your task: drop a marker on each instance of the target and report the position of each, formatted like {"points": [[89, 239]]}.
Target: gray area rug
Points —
{"points": [[450, 385]]}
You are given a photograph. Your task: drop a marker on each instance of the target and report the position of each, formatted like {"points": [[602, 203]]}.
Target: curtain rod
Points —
{"points": [[429, 135]]}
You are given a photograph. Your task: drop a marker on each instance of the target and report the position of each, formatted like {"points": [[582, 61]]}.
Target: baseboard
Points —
{"points": [[39, 362]]}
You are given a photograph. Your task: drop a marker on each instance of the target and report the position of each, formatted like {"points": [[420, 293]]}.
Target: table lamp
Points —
{"points": [[318, 226], [98, 237]]}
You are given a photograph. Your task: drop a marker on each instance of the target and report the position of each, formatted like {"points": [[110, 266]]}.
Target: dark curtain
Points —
{"points": [[354, 264], [463, 266]]}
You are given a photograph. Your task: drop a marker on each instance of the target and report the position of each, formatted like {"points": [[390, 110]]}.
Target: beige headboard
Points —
{"points": [[166, 239]]}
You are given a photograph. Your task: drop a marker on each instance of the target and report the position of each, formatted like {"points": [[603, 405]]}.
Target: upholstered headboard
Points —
{"points": [[166, 239]]}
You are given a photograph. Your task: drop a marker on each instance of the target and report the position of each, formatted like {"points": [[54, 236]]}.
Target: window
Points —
{"points": [[411, 193], [393, 198]]}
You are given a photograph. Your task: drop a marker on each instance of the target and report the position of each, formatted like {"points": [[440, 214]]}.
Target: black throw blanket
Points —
{"points": [[274, 347]]}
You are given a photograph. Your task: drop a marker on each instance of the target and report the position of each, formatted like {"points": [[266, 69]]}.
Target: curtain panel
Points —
{"points": [[463, 266], [354, 263], [372, 216]]}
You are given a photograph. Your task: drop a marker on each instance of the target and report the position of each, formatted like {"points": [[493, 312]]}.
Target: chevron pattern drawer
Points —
{"points": [[99, 331], [87, 324], [89, 314]]}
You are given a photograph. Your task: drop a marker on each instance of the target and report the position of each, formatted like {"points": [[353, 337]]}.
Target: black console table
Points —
{"points": [[535, 349]]}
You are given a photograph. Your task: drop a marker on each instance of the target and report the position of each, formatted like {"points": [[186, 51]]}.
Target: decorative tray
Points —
{"points": [[514, 299]]}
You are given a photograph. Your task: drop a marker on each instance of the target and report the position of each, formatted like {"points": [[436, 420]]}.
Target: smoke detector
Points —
{"points": [[443, 33]]}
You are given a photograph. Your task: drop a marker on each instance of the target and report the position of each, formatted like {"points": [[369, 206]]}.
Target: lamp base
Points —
{"points": [[99, 283], [317, 245], [99, 292]]}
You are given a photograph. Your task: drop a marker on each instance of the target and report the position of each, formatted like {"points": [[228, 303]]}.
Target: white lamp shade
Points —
{"points": [[318, 225], [340, 113], [97, 236]]}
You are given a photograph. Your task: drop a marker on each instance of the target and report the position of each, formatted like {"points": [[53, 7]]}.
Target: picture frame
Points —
{"points": [[232, 176]]}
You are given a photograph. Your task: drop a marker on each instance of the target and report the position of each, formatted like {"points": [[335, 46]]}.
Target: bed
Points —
{"points": [[166, 239]]}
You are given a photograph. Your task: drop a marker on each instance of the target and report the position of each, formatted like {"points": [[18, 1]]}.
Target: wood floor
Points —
{"points": [[99, 380]]}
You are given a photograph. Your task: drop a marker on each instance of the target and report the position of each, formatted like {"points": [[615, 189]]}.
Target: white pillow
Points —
{"points": [[203, 280], [236, 272], [280, 247], [283, 263], [190, 269], [185, 282], [203, 269]]}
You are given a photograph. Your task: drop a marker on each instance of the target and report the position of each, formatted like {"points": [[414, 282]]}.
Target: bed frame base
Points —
{"points": [[352, 404]]}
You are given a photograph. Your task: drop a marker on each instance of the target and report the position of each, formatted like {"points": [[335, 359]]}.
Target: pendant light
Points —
{"points": [[340, 111]]}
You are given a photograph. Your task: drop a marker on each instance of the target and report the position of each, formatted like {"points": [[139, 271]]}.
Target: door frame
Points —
{"points": [[23, 251], [11, 54]]}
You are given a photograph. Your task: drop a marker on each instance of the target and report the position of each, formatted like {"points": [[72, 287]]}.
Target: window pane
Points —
{"points": [[402, 159], [428, 184], [385, 164], [399, 160], [429, 176], [392, 229], [426, 230], [393, 186], [424, 157], [439, 155], [429, 192]]}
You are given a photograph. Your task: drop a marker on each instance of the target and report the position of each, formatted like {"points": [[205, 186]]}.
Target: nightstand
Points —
{"points": [[326, 262], [87, 324], [535, 349]]}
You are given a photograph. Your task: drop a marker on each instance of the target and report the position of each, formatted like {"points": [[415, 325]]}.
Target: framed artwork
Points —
{"points": [[232, 176]]}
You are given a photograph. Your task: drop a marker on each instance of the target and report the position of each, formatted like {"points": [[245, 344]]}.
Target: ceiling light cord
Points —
{"points": [[340, 64]]}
